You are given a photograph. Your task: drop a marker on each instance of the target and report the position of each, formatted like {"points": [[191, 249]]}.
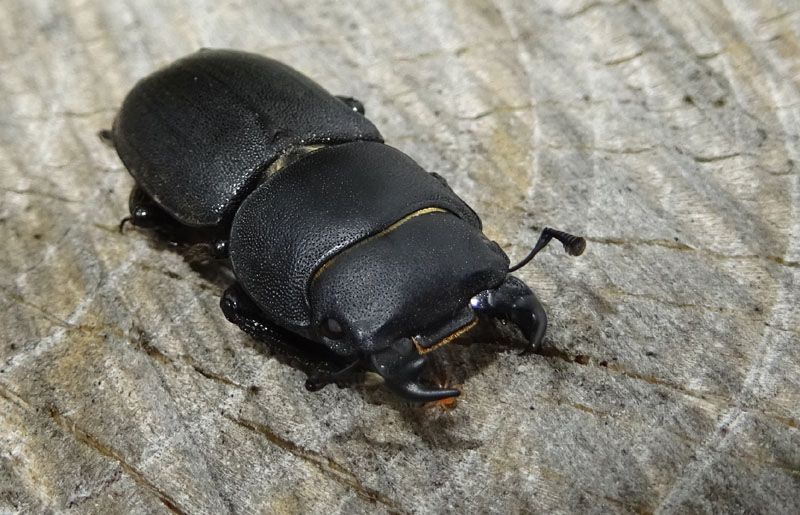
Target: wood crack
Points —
{"points": [[718, 401], [564, 479], [37, 193], [712, 159], [675, 245], [49, 316], [591, 6], [654, 243], [325, 465], [50, 117], [691, 305], [83, 436], [143, 342], [584, 360], [497, 109], [614, 62], [214, 377], [589, 148]]}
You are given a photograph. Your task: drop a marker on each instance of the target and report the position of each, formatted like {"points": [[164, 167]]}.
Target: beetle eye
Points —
{"points": [[332, 329]]}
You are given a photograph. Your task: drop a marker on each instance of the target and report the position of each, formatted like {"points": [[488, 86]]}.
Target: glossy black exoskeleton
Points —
{"points": [[335, 238]]}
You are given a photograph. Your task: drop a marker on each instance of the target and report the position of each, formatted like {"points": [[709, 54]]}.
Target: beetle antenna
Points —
{"points": [[573, 245]]}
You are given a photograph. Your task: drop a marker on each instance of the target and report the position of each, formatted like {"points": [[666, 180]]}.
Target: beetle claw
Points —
{"points": [[400, 365], [418, 393], [515, 301], [122, 223]]}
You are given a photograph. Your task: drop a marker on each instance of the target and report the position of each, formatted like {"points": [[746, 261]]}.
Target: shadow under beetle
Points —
{"points": [[333, 237]]}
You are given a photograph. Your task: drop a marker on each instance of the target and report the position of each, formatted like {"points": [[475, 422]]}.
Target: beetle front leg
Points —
{"points": [[515, 301], [320, 381], [240, 309]]}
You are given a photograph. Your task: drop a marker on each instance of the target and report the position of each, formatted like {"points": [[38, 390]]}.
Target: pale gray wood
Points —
{"points": [[666, 132]]}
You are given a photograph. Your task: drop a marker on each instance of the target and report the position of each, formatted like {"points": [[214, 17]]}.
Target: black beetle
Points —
{"points": [[334, 237]]}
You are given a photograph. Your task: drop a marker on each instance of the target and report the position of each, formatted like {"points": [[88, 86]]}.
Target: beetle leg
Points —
{"points": [[352, 103], [400, 366], [239, 309], [515, 301], [144, 211], [199, 245], [106, 137], [219, 249], [318, 382]]}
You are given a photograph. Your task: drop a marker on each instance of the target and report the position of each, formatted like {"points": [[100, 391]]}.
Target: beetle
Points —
{"points": [[335, 239]]}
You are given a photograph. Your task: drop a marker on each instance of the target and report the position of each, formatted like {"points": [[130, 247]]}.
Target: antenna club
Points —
{"points": [[573, 245], [576, 246]]}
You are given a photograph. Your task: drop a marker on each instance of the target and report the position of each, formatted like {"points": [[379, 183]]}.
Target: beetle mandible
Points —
{"points": [[334, 238]]}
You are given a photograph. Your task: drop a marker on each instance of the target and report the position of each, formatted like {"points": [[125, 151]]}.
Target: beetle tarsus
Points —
{"points": [[123, 222], [573, 245], [514, 301], [107, 137], [219, 249]]}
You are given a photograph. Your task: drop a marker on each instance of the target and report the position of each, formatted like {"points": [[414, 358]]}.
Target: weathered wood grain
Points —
{"points": [[665, 131]]}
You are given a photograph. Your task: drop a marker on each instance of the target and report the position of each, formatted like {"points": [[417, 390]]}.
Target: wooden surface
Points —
{"points": [[664, 131]]}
